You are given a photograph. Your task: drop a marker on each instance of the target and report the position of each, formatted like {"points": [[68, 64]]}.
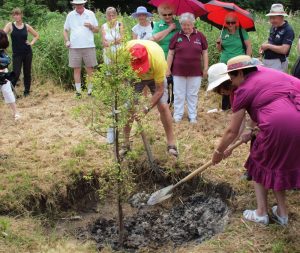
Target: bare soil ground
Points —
{"points": [[49, 149]]}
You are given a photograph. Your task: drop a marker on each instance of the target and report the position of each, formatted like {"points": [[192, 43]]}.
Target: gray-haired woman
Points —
{"points": [[186, 51]]}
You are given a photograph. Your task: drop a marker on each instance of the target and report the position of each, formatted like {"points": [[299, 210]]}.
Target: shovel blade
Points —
{"points": [[160, 195]]}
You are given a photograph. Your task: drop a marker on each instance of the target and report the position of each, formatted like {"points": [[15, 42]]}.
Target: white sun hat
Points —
{"points": [[277, 10], [78, 2], [141, 10], [216, 75]]}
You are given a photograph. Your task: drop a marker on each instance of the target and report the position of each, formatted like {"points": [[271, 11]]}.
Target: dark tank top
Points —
{"points": [[18, 40]]}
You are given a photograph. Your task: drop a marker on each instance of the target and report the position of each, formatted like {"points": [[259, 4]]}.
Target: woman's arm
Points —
{"points": [[34, 34], [121, 29], [248, 47], [170, 59], [8, 28], [219, 44], [104, 41], [134, 36], [205, 62], [229, 136], [161, 35]]}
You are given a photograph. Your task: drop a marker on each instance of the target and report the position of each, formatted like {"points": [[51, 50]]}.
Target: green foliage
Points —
{"points": [[33, 12]]}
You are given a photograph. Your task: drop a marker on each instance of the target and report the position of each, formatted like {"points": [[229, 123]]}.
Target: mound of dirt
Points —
{"points": [[197, 219]]}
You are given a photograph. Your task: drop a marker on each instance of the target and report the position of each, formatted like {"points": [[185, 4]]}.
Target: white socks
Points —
{"points": [[90, 87], [78, 87]]}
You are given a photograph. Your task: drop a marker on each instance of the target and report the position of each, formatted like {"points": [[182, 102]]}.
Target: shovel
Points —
{"points": [[166, 192], [152, 163]]}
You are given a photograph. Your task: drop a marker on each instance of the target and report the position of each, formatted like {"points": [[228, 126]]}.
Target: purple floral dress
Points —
{"points": [[272, 99]]}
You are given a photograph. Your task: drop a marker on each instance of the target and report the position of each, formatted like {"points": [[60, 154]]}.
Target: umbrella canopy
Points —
{"points": [[182, 6], [218, 10]]}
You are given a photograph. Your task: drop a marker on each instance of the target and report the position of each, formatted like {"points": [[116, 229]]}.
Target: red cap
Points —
{"points": [[139, 60]]}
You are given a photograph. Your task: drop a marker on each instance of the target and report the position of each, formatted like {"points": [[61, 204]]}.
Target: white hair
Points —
{"points": [[187, 16]]}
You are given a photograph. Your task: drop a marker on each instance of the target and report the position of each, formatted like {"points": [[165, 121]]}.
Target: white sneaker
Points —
{"points": [[193, 121], [17, 116], [251, 215], [281, 220]]}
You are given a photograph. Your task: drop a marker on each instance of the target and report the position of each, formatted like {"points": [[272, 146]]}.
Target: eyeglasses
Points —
{"points": [[167, 15], [230, 22]]}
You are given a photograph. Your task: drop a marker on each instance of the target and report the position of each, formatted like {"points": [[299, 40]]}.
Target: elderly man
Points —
{"points": [[149, 61], [81, 24], [277, 49]]}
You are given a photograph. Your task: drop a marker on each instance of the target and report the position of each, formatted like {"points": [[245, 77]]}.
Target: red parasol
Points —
{"points": [[218, 10], [182, 6]]}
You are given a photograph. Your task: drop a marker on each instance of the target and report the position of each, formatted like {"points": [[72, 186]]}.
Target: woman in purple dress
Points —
{"points": [[272, 99]]}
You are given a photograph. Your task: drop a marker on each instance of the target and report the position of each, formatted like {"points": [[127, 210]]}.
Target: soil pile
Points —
{"points": [[197, 219]]}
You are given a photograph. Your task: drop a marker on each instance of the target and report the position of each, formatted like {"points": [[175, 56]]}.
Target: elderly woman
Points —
{"points": [[233, 41], [21, 47], [112, 34], [164, 29], [277, 49], [142, 30], [187, 50], [271, 98]]}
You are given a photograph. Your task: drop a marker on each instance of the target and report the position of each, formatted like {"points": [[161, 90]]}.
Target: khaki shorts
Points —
{"points": [[276, 64], [139, 87], [87, 55]]}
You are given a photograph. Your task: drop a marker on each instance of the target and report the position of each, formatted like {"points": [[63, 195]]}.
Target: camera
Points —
{"points": [[4, 62]]}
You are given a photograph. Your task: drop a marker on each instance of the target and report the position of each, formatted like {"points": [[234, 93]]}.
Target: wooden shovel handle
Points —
{"points": [[205, 166]]}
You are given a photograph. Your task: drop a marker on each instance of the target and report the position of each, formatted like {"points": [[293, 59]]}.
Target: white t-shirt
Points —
{"points": [[81, 36], [142, 32]]}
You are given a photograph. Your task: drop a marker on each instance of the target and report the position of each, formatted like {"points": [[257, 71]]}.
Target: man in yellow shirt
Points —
{"points": [[149, 62]]}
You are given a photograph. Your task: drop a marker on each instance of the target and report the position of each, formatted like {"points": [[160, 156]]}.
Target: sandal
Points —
{"points": [[281, 220], [172, 150], [251, 215]]}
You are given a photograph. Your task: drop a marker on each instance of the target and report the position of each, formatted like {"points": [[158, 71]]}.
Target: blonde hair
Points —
{"points": [[111, 10], [16, 11], [165, 7]]}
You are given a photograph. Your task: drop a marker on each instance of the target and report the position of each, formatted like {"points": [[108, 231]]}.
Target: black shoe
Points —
{"points": [[26, 93]]}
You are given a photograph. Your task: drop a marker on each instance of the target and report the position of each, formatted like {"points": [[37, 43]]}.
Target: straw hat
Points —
{"points": [[78, 2], [216, 75], [242, 62], [277, 10], [141, 10]]}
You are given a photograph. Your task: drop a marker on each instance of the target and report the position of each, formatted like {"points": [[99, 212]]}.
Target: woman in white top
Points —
{"points": [[112, 35], [143, 30]]}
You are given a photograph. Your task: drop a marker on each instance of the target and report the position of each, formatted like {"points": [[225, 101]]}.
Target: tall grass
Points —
{"points": [[51, 56]]}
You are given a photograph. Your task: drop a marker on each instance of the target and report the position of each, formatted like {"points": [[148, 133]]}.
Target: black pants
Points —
{"points": [[18, 61], [226, 102]]}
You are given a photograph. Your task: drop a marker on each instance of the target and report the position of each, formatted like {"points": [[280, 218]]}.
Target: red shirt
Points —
{"points": [[188, 53]]}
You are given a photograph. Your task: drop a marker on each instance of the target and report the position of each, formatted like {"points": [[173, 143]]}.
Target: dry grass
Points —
{"points": [[49, 147]]}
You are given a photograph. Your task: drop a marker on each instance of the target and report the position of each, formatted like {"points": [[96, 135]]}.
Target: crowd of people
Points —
{"points": [[173, 53]]}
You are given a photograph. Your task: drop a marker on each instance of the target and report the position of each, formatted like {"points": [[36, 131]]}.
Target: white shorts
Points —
{"points": [[7, 92]]}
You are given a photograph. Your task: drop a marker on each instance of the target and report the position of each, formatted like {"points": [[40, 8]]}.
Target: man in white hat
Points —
{"points": [[277, 49], [81, 24]]}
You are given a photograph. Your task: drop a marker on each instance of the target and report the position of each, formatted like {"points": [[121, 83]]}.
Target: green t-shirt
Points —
{"points": [[161, 26], [232, 44]]}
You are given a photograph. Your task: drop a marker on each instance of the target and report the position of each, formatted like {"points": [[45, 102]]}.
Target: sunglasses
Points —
{"points": [[167, 15], [230, 22]]}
